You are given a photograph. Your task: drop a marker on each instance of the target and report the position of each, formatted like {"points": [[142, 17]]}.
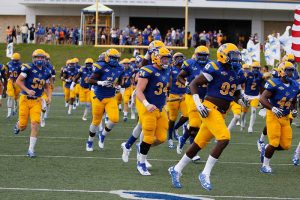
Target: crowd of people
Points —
{"points": [[56, 34], [158, 86], [130, 35]]}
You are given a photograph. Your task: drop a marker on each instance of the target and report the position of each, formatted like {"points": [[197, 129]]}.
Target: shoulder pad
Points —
{"points": [[272, 82], [146, 68], [26, 65], [211, 66], [97, 65]]}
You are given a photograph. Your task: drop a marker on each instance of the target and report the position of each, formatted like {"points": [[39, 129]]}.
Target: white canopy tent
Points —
{"points": [[102, 9]]}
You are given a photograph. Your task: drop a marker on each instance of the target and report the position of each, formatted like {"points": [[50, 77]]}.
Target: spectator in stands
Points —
{"points": [[14, 33], [189, 39], [196, 39], [31, 33], [9, 38], [24, 31]]}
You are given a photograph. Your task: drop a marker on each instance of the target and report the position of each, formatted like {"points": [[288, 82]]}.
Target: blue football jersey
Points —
{"points": [[156, 89], [253, 83], [70, 72], [106, 73], [85, 73], [241, 77], [224, 82], [176, 86], [14, 69], [35, 78], [3, 70], [126, 77], [51, 68], [193, 69], [282, 95]]}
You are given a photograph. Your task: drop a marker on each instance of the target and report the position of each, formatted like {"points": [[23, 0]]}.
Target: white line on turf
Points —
{"points": [[150, 159], [111, 192], [113, 139]]}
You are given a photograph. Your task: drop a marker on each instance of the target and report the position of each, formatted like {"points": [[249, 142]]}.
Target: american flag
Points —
{"points": [[296, 35]]}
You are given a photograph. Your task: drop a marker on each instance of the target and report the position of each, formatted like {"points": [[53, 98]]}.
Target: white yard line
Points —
{"points": [[134, 159], [115, 139]]}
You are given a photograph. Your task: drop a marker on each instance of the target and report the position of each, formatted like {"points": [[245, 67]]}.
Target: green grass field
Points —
{"points": [[64, 170]]}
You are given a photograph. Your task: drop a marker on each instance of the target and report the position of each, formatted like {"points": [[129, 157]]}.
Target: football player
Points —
{"points": [[68, 75], [105, 77], [126, 85], [222, 87], [77, 87], [3, 81], [253, 87], [61, 75], [33, 80], [190, 69], [176, 100], [235, 107], [279, 98], [13, 91], [44, 97], [151, 92], [84, 94]]}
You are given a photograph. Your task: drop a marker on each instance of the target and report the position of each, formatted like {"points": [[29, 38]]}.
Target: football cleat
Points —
{"points": [[125, 118], [89, 146], [126, 152], [250, 130], [141, 167], [170, 144], [295, 159], [74, 106], [196, 159], [266, 169], [148, 165], [259, 144], [179, 145], [31, 154], [205, 181], [84, 118], [69, 112], [175, 177], [16, 128], [66, 105], [101, 141]]}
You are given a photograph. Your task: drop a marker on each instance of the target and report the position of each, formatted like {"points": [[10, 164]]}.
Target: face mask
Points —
{"points": [[234, 56], [289, 74], [178, 61], [39, 62], [113, 61], [202, 58], [15, 61], [165, 62]]}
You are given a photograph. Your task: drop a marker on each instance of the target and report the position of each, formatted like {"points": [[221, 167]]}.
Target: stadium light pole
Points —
{"points": [[186, 23], [143, 47], [96, 25]]}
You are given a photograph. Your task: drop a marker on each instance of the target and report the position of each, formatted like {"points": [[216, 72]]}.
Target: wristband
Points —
{"points": [[146, 103]]}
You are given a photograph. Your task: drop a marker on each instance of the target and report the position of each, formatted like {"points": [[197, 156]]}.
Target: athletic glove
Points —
{"points": [[200, 107], [277, 111], [105, 83]]}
